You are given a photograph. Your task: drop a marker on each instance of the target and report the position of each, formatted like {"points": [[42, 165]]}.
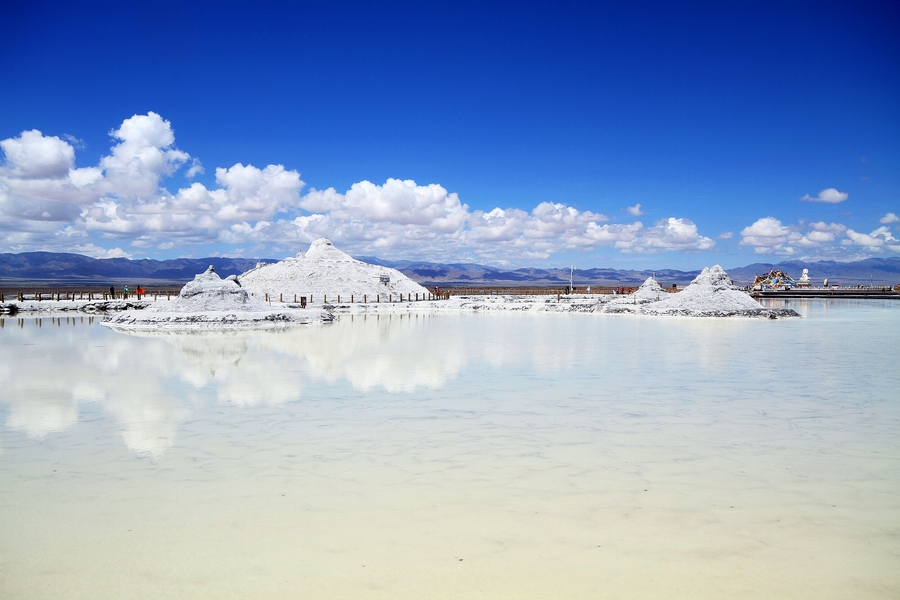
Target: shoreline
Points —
{"points": [[605, 304]]}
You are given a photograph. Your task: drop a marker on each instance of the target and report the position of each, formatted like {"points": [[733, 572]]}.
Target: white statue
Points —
{"points": [[804, 279]]}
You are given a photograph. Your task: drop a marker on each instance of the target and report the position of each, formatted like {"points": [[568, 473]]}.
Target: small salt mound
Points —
{"points": [[327, 271], [209, 302], [712, 293], [209, 292], [650, 291]]}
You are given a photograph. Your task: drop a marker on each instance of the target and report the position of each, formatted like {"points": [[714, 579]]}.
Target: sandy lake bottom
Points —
{"points": [[455, 456]]}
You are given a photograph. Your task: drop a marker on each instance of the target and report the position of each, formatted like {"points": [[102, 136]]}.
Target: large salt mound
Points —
{"points": [[327, 271], [208, 302], [712, 294]]}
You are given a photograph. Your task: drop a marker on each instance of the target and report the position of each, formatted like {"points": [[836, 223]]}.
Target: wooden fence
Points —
{"points": [[95, 296], [89, 295], [304, 299]]}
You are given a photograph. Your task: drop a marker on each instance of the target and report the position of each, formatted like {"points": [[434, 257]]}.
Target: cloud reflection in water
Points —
{"points": [[149, 382]]}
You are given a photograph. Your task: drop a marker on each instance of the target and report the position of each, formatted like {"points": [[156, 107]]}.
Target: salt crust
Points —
{"points": [[328, 272], [711, 294]]}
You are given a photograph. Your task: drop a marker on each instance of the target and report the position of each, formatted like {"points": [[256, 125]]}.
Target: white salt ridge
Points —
{"points": [[328, 272], [209, 302]]}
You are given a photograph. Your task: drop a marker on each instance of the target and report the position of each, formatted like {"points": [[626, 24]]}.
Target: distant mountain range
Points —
{"points": [[878, 271], [59, 266], [63, 267], [466, 274]]}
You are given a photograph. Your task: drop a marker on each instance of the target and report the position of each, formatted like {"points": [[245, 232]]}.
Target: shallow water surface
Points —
{"points": [[455, 456]]}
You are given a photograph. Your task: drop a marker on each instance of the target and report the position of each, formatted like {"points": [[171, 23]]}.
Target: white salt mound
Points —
{"points": [[209, 292], [712, 293], [212, 302], [650, 291], [327, 271]]}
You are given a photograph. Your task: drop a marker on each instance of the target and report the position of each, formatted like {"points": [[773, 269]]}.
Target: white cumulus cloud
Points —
{"points": [[818, 240], [828, 195], [880, 239], [33, 155], [127, 201], [889, 218], [672, 234], [767, 232]]}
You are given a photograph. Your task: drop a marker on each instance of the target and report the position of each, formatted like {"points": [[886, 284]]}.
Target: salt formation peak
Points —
{"points": [[715, 277], [322, 249], [328, 272]]}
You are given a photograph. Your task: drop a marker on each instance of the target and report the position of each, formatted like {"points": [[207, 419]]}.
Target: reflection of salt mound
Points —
{"points": [[208, 292], [712, 293], [327, 271]]}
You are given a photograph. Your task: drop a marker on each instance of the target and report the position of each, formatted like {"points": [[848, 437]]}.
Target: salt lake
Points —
{"points": [[455, 456]]}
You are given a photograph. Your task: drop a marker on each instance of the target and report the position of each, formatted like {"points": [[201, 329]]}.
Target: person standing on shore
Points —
{"points": [[112, 292]]}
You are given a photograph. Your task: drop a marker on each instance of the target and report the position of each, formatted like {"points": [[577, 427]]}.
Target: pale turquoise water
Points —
{"points": [[456, 456]]}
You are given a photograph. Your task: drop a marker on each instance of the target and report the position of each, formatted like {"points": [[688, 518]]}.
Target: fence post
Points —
{"points": [[364, 299], [351, 298], [281, 298], [339, 299]]}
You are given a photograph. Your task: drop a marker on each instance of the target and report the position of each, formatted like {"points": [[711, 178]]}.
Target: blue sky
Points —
{"points": [[516, 133]]}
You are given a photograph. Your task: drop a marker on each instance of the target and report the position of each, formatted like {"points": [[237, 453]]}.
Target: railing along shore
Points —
{"points": [[82, 295]]}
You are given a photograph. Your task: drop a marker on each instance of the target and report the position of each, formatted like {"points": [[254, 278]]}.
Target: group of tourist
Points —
{"points": [[139, 292]]}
